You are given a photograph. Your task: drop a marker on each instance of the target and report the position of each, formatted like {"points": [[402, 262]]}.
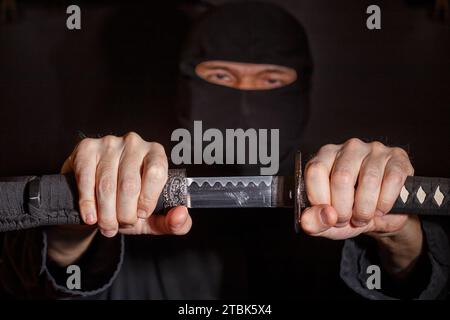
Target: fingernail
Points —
{"points": [[323, 216], [141, 214], [109, 233], [90, 219]]}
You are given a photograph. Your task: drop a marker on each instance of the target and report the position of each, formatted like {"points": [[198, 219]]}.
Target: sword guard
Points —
{"points": [[299, 191], [175, 189]]}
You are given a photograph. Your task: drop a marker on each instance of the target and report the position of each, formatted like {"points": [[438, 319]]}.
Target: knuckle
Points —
{"points": [[399, 152], [130, 186], [86, 144], [395, 177], [377, 146], [408, 168], [384, 203], [107, 185], [400, 156], [86, 205], [157, 148], [354, 143], [342, 176], [401, 167], [110, 141], [132, 138], [146, 204], [314, 168], [364, 214], [157, 171], [371, 178]]}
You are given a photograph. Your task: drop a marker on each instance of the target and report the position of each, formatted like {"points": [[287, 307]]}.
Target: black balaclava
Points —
{"points": [[251, 32]]}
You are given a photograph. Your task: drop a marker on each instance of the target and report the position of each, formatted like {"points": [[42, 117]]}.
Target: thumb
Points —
{"points": [[177, 221], [318, 219]]}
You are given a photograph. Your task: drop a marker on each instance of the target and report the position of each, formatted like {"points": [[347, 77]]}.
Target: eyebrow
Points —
{"points": [[274, 70], [233, 71], [219, 68]]}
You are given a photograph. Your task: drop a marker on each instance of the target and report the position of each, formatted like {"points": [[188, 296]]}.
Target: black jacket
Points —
{"points": [[255, 256]]}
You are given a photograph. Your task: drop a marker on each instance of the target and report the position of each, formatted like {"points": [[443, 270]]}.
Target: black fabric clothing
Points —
{"points": [[251, 32], [192, 267]]}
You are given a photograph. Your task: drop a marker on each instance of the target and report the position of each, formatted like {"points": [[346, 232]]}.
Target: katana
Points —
{"points": [[28, 202]]}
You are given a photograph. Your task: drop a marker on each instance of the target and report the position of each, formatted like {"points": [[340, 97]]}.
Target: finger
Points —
{"points": [[83, 163], [154, 177], [176, 222], [368, 190], [106, 189], [344, 176], [318, 219], [317, 175], [129, 184], [84, 170], [396, 171]]}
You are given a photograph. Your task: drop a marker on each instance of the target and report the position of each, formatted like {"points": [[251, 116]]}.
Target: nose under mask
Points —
{"points": [[224, 108], [247, 32]]}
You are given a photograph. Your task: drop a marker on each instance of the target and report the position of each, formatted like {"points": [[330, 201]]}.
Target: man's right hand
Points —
{"points": [[119, 181]]}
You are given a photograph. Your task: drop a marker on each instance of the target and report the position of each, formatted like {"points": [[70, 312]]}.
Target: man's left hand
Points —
{"points": [[339, 210]]}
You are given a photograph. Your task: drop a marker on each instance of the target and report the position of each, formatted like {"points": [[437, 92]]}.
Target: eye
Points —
{"points": [[273, 82], [219, 76]]}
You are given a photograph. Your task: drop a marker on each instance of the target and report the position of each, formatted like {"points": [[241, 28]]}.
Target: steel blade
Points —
{"points": [[240, 192]]}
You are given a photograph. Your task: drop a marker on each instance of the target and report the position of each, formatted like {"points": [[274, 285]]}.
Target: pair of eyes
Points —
{"points": [[265, 80]]}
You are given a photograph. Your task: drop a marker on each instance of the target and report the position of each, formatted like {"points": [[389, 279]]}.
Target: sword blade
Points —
{"points": [[240, 192]]}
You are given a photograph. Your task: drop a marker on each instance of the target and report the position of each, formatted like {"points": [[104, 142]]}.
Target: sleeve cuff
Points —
{"points": [[99, 267], [359, 253]]}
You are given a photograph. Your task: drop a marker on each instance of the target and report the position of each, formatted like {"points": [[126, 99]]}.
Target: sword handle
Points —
{"points": [[29, 202], [424, 196], [419, 195]]}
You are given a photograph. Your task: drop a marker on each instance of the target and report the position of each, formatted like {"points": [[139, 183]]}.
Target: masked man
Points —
{"points": [[245, 65]]}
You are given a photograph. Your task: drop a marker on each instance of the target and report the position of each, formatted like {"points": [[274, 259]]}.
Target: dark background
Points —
{"points": [[119, 74]]}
